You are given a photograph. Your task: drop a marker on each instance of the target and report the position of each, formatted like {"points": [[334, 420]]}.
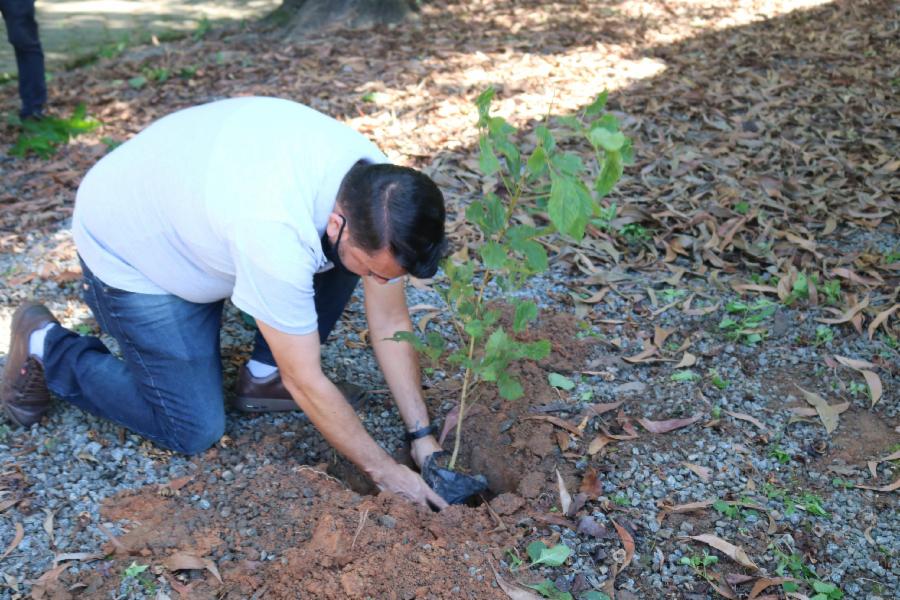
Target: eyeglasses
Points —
{"points": [[376, 276]]}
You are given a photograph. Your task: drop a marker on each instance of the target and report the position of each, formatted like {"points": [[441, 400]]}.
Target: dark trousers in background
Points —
{"points": [[22, 31], [168, 386]]}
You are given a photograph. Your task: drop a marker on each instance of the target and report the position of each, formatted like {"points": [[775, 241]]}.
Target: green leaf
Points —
{"points": [[134, 569], [483, 102], [567, 208], [597, 106], [568, 163], [545, 137], [685, 375], [553, 557], [538, 350], [526, 312], [607, 121], [595, 595], [509, 387], [824, 588], [790, 586], [497, 343], [546, 588], [137, 82], [475, 328], [535, 256], [434, 345], [627, 152], [407, 336], [494, 255], [537, 162], [610, 173], [561, 381], [487, 160], [535, 549], [611, 141]]}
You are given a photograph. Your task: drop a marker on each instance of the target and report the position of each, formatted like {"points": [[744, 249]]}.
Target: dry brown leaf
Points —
{"points": [[748, 418], [556, 421], [17, 539], [688, 360], [643, 355], [847, 315], [703, 473], [591, 484], [803, 411], [735, 553], [867, 533], [627, 543], [872, 379], [85, 556], [565, 499], [718, 583], [515, 593], [689, 507], [827, 413], [48, 524], [668, 425], [873, 464], [888, 488], [119, 546], [854, 363], [660, 335], [563, 440], [766, 582], [881, 318], [598, 409], [7, 504], [752, 287], [184, 561], [874, 383], [700, 312], [598, 443], [177, 484]]}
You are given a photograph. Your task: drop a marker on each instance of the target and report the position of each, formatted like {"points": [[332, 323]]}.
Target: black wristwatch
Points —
{"points": [[418, 434]]}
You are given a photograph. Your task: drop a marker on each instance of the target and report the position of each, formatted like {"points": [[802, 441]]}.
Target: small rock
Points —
{"points": [[387, 521]]}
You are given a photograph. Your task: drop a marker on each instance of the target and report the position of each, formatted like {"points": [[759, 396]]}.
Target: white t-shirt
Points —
{"points": [[228, 199]]}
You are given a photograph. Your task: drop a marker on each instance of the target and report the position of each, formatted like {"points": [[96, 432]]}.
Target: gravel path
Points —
{"points": [[62, 469]]}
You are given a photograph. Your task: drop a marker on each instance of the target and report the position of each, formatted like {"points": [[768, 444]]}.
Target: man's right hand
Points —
{"points": [[403, 481]]}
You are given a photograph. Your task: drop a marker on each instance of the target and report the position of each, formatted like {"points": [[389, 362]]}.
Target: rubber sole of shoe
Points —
{"points": [[356, 396]]}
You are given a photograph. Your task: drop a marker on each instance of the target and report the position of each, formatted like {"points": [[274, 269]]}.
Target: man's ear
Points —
{"points": [[334, 225]]}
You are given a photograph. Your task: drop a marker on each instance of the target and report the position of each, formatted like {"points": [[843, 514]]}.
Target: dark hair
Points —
{"points": [[397, 208]]}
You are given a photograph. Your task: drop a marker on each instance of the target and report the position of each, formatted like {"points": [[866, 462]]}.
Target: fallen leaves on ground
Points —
{"points": [[735, 553], [748, 418], [183, 561], [17, 539], [668, 425], [827, 413]]}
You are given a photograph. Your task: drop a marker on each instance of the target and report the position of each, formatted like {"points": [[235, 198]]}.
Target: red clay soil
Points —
{"points": [[292, 531]]}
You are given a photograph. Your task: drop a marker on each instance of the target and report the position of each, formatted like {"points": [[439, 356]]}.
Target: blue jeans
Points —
{"points": [[22, 32], [168, 386]]}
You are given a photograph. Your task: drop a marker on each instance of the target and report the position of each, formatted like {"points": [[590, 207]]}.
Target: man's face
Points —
{"points": [[380, 266]]}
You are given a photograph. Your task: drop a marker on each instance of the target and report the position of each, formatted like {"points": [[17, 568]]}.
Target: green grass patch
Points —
{"points": [[44, 137]]}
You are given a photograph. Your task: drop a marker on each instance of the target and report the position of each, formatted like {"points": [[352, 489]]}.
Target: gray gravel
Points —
{"points": [[70, 463]]}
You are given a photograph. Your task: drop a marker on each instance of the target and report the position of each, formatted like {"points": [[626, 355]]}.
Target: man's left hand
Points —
{"points": [[424, 447]]}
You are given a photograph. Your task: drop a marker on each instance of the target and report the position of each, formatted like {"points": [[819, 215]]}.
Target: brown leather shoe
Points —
{"points": [[23, 392], [268, 394]]}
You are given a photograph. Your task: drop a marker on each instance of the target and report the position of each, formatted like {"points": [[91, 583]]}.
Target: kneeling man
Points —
{"points": [[275, 206]]}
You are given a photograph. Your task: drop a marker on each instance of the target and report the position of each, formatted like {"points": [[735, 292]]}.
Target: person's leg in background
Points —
{"points": [[22, 32], [168, 388]]}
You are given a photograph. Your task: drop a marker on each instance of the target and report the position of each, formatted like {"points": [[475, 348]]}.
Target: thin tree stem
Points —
{"points": [[462, 406]]}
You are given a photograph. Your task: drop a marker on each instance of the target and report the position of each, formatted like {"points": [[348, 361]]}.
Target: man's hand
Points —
{"points": [[424, 447], [406, 483]]}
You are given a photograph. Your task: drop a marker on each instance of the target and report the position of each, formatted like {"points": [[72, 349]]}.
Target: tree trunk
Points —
{"points": [[301, 16]]}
